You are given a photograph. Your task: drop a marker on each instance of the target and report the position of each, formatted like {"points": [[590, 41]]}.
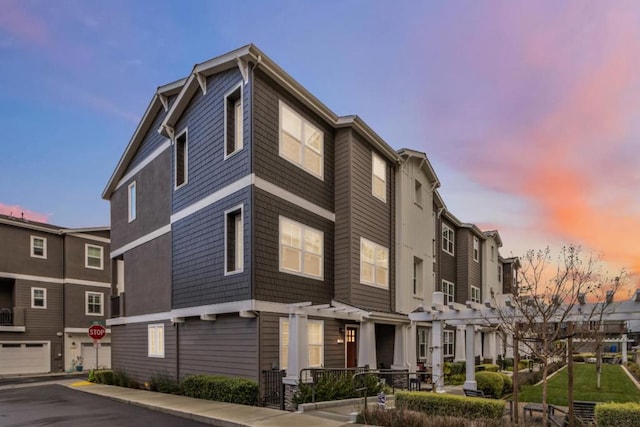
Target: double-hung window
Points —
{"points": [[132, 200], [476, 249], [448, 343], [94, 303], [38, 298], [378, 177], [374, 264], [93, 257], [475, 294], [301, 249], [155, 340], [234, 238], [301, 142], [448, 238], [500, 273], [418, 193], [449, 291], [182, 159], [233, 121], [423, 344], [315, 338], [38, 247], [417, 276]]}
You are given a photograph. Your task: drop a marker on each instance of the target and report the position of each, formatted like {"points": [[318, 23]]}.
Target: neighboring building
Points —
{"points": [[54, 282]]}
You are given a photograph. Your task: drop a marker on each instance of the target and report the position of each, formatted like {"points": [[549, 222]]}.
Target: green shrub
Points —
{"points": [[634, 369], [403, 418], [507, 387], [221, 389], [103, 376], [508, 362], [164, 383], [491, 383], [121, 379], [337, 386], [92, 376], [458, 368], [617, 414], [489, 367], [434, 404]]}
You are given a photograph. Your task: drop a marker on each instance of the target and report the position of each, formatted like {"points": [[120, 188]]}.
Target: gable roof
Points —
{"points": [[424, 165]]}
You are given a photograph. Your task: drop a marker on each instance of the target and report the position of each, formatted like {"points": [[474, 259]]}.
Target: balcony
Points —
{"points": [[117, 306], [12, 319]]}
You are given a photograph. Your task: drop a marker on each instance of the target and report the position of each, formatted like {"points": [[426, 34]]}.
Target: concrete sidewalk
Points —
{"points": [[205, 411]]}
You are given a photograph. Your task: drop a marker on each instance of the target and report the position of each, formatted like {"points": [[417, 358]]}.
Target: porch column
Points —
{"points": [[436, 341], [367, 345], [493, 347], [298, 348], [623, 343], [478, 344], [470, 377], [399, 348], [412, 350], [460, 348]]}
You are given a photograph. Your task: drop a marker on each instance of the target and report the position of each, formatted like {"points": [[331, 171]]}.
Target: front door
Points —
{"points": [[352, 347]]}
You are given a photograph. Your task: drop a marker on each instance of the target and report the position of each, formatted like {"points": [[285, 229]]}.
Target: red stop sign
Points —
{"points": [[97, 332]]}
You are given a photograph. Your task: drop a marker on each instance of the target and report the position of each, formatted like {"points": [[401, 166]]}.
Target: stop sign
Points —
{"points": [[97, 332]]}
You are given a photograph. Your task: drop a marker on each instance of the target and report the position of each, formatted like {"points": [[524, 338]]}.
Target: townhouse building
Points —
{"points": [[54, 282]]}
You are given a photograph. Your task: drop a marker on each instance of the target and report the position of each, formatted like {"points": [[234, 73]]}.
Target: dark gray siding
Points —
{"points": [[75, 260], [267, 162], [228, 346], [153, 188], [15, 252], [464, 245], [204, 119], [447, 262], [76, 307], [343, 237], [147, 272], [129, 351], [41, 324], [151, 141], [271, 284], [198, 256]]}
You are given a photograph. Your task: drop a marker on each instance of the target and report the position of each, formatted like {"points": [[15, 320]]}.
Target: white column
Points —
{"points": [[460, 347], [399, 350], [298, 349], [436, 341], [470, 380], [367, 345], [412, 350], [493, 345], [623, 343], [478, 344]]}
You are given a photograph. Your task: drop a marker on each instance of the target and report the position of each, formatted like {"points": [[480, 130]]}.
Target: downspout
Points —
{"points": [[64, 294]]}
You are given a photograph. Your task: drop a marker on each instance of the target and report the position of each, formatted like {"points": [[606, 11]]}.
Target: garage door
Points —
{"points": [[89, 355], [24, 358]]}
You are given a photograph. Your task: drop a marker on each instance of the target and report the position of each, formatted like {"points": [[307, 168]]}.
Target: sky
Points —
{"points": [[528, 111]]}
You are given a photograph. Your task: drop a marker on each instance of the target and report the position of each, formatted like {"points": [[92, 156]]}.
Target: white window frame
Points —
{"points": [[475, 294], [281, 107], [155, 340], [376, 247], [44, 247], [238, 122], [500, 273], [418, 273], [476, 249], [448, 239], [44, 298], [86, 256], [132, 201], [184, 132], [417, 193], [88, 294], [423, 344], [284, 348], [239, 236], [448, 343], [374, 158], [449, 291], [304, 228]]}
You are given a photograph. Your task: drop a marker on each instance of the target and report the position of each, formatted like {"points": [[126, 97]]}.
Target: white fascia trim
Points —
{"points": [[80, 330], [141, 241], [13, 329], [30, 277], [292, 198], [213, 198], [90, 237], [151, 157], [19, 223], [87, 283]]}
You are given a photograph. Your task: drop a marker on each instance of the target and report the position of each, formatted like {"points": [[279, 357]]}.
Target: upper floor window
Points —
{"points": [[418, 193], [417, 276], [315, 341], [132, 197], [475, 294], [301, 249], [234, 239], [182, 159], [448, 343], [300, 141], [447, 239], [38, 298], [449, 291], [38, 247], [378, 177], [94, 303], [93, 257], [374, 264], [233, 130], [476, 249], [500, 273], [155, 340]]}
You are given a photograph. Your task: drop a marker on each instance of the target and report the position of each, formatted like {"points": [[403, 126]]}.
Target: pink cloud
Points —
{"points": [[17, 212], [17, 22]]}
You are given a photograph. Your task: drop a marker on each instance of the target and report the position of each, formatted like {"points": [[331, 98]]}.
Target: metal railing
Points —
{"points": [[273, 388], [314, 375], [6, 317]]}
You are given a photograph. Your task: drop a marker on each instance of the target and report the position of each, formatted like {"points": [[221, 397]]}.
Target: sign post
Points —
{"points": [[96, 333]]}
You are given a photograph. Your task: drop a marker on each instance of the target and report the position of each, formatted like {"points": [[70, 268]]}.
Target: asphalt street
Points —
{"points": [[47, 404]]}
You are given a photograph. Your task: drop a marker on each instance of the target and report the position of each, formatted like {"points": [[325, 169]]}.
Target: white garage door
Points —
{"points": [[89, 356], [24, 358]]}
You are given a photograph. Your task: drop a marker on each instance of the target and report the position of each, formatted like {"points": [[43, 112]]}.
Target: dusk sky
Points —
{"points": [[528, 111]]}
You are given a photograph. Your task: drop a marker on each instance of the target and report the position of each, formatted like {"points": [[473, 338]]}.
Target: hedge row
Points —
{"points": [[617, 414], [447, 404], [494, 384]]}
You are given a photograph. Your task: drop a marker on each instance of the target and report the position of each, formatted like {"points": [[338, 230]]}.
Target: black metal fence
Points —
{"points": [[6, 317], [273, 388]]}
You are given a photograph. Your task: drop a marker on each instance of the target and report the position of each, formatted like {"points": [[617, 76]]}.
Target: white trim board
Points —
{"points": [[30, 277], [151, 157], [141, 241], [90, 237], [295, 199]]}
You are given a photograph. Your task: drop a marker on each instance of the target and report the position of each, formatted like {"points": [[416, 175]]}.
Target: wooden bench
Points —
{"points": [[583, 412], [473, 393], [531, 408]]}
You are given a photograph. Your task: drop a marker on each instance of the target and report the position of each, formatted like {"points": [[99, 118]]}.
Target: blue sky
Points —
{"points": [[527, 110]]}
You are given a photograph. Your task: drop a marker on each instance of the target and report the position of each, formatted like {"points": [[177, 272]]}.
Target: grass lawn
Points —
{"points": [[615, 386]]}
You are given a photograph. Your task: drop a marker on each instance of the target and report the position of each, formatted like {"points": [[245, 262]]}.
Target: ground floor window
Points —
{"points": [[448, 343], [315, 336], [423, 344], [156, 340]]}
